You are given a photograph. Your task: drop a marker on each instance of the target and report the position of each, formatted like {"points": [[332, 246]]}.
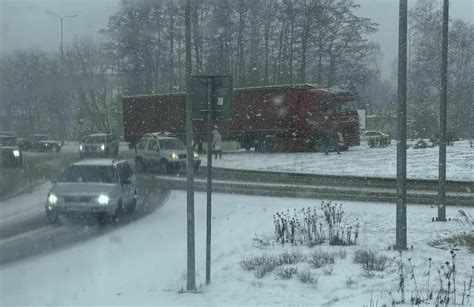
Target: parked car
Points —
{"points": [[10, 152], [41, 142], [8, 133], [163, 151], [99, 144], [375, 138], [105, 187]]}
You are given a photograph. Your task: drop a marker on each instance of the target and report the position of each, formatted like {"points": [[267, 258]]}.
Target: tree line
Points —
{"points": [[261, 42], [257, 42]]}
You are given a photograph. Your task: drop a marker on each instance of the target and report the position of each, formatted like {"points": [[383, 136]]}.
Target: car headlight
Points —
{"points": [[102, 147], [174, 156], [195, 155], [52, 199], [103, 199], [81, 147], [16, 153]]}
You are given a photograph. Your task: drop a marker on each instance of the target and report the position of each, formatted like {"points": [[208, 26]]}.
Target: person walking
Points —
{"points": [[217, 143], [332, 137]]}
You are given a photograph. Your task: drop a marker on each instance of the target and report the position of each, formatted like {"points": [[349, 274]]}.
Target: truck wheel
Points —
{"points": [[247, 143], [267, 145], [164, 167], [259, 145]]}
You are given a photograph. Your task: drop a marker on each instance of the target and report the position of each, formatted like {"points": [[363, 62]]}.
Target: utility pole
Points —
{"points": [[191, 264], [210, 114], [401, 215], [442, 116]]}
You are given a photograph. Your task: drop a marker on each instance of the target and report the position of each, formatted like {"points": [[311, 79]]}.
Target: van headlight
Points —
{"points": [[103, 199], [81, 147], [16, 153], [102, 147], [52, 199], [174, 156], [195, 155]]}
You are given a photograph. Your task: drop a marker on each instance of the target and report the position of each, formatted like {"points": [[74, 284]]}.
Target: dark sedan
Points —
{"points": [[41, 142]]}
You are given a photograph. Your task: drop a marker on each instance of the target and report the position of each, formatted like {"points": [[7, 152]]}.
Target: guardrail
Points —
{"points": [[278, 184]]}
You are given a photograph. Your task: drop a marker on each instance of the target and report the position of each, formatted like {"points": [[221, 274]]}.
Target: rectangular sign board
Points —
{"points": [[221, 89]]}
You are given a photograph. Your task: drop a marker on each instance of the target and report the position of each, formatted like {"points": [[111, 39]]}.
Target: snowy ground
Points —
{"points": [[359, 161], [144, 263]]}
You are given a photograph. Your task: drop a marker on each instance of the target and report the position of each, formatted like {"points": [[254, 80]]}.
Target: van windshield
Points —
{"points": [[171, 144], [89, 173], [41, 137], [95, 139]]}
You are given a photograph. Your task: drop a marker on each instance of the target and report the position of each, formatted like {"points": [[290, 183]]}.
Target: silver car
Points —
{"points": [[105, 187], [162, 151]]}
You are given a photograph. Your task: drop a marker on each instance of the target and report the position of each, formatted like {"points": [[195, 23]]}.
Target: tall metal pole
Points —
{"points": [[191, 265], [62, 50], [209, 180], [61, 19], [62, 79], [401, 222], [442, 116]]}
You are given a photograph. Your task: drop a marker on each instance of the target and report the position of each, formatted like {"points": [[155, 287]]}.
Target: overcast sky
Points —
{"points": [[25, 23]]}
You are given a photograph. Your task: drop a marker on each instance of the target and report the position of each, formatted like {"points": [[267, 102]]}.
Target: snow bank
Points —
{"points": [[359, 161]]}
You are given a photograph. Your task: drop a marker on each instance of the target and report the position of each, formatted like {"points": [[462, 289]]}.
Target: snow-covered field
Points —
{"points": [[360, 161], [144, 263]]}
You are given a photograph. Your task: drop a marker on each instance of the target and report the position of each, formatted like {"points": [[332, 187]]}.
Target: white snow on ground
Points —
{"points": [[359, 161], [145, 262]]}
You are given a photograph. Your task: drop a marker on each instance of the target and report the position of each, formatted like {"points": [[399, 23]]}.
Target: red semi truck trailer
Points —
{"points": [[269, 118]]}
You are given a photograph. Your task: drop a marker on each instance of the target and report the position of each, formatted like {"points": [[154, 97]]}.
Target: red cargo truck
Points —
{"points": [[269, 118]]}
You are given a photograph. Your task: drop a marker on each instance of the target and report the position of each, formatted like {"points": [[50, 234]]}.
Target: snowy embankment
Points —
{"points": [[359, 161], [145, 262]]}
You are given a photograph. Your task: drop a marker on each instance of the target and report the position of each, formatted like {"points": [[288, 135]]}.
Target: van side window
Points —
{"points": [[142, 144], [153, 145]]}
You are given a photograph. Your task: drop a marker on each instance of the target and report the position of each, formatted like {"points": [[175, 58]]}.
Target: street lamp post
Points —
{"points": [[61, 19]]}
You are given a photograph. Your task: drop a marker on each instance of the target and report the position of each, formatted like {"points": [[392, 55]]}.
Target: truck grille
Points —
{"points": [[182, 156]]}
